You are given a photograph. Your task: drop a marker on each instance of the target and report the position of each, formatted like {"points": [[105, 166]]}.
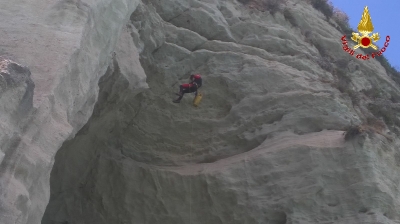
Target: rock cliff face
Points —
{"points": [[93, 134]]}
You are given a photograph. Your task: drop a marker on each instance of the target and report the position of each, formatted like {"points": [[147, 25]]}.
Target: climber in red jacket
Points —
{"points": [[194, 84]]}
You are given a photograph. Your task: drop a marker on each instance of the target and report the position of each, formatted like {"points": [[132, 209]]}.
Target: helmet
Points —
{"points": [[195, 76]]}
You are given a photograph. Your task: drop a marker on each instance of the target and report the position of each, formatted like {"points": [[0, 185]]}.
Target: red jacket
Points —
{"points": [[187, 85], [196, 81]]}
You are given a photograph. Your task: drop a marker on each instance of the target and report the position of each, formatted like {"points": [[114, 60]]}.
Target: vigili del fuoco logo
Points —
{"points": [[363, 38]]}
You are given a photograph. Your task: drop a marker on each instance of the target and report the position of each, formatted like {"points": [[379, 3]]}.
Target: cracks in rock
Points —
{"points": [[246, 178], [199, 46], [12, 154], [184, 11], [267, 58], [208, 39], [159, 191]]}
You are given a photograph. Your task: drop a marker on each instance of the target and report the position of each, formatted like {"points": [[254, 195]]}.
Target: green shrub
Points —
{"points": [[352, 132], [342, 19], [272, 6], [345, 29], [391, 71], [384, 109], [323, 6]]}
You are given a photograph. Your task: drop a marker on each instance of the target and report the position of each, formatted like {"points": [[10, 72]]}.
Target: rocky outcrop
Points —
{"points": [[67, 45], [16, 96], [265, 146]]}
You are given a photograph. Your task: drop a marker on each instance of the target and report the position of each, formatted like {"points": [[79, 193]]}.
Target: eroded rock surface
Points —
{"points": [[16, 96], [67, 46], [265, 146]]}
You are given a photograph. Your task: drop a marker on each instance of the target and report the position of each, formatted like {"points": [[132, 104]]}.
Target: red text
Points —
{"points": [[379, 53], [346, 47], [361, 56]]}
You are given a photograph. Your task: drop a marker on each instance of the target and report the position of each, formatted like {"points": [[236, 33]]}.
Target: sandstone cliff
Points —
{"points": [[90, 133]]}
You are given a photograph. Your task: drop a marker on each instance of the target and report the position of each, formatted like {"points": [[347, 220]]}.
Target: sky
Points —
{"points": [[383, 14]]}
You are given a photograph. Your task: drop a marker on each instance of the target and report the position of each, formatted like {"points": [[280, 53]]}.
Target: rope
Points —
{"points": [[191, 146], [190, 179]]}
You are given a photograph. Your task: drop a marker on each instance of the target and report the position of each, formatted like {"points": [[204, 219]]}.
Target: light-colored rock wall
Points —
{"points": [[254, 152], [67, 46], [265, 146]]}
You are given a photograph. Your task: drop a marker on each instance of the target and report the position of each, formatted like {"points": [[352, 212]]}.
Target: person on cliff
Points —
{"points": [[191, 87]]}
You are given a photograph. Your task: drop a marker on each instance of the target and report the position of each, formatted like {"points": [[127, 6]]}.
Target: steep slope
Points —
{"points": [[265, 146], [133, 158], [67, 47]]}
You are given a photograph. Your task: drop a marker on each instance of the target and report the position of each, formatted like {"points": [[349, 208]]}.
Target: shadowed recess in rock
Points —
{"points": [[269, 142]]}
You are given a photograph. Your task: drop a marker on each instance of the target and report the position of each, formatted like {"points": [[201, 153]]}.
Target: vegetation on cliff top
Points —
{"points": [[380, 110], [340, 17], [330, 12]]}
